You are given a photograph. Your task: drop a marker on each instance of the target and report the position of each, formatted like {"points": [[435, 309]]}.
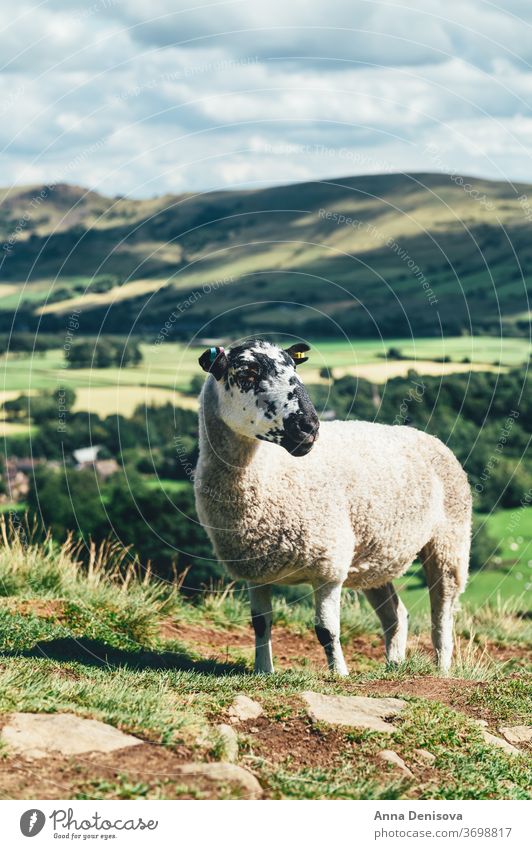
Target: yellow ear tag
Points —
{"points": [[298, 355]]}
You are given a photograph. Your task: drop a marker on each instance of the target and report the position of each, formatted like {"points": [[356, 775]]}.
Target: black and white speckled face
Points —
{"points": [[262, 397]]}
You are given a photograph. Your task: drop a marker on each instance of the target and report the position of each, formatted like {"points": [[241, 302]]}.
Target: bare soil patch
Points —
{"points": [[152, 767], [293, 650], [290, 648], [296, 742], [51, 609], [453, 692]]}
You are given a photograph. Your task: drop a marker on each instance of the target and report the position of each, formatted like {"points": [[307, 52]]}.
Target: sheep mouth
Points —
{"points": [[298, 448]]}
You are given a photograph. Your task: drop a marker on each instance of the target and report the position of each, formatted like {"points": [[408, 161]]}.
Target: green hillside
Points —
{"points": [[391, 254]]}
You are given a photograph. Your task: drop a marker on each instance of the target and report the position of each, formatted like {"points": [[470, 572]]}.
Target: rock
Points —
{"points": [[424, 755], [36, 735], [517, 733], [223, 773], [229, 739], [393, 758], [502, 744], [244, 708], [493, 740], [356, 711]]}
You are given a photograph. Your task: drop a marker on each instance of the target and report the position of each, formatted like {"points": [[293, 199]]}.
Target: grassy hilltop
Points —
{"points": [[112, 644], [366, 252]]}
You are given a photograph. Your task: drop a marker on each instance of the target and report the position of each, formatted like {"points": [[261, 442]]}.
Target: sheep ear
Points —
{"points": [[214, 361], [297, 353]]}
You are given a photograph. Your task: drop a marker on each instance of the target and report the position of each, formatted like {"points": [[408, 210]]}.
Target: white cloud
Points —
{"points": [[145, 98]]}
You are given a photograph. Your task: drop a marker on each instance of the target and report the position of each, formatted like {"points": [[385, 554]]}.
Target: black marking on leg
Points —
{"points": [[259, 623], [324, 636]]}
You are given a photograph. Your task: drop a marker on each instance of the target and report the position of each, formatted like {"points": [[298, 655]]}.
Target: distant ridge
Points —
{"points": [[384, 253]]}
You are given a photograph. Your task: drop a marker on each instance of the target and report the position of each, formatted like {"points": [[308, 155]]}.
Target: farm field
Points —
{"points": [[167, 370]]}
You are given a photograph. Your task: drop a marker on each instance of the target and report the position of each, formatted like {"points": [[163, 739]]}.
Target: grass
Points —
{"points": [[85, 637], [513, 530]]}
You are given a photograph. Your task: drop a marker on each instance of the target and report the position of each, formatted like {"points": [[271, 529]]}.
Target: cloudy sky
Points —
{"points": [[143, 97]]}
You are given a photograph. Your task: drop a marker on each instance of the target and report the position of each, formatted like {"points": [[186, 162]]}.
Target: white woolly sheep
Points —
{"points": [[353, 508]]}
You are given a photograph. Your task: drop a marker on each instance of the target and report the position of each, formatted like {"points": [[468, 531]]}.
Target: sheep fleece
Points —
{"points": [[358, 508]]}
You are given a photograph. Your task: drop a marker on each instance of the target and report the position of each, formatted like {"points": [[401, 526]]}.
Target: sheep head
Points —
{"points": [[260, 394]]}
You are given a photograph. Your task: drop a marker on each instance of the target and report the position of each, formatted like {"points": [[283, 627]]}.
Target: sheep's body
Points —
{"points": [[358, 509], [355, 511]]}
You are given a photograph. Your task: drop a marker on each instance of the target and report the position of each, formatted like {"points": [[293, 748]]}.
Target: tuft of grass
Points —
{"points": [[341, 783], [109, 588], [226, 607], [508, 699], [473, 662], [415, 665], [501, 620]]}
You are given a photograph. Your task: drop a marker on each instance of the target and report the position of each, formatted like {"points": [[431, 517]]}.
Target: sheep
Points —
{"points": [[351, 508]]}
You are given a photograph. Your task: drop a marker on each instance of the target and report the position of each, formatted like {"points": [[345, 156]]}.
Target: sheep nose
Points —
{"points": [[307, 426], [305, 429]]}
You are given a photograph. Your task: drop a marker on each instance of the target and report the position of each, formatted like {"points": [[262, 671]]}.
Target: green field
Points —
{"points": [[171, 366], [510, 581]]}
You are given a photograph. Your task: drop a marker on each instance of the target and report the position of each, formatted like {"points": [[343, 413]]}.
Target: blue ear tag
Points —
{"points": [[214, 354]]}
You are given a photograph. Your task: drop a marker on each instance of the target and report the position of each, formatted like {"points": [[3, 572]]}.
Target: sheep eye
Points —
{"points": [[247, 375]]}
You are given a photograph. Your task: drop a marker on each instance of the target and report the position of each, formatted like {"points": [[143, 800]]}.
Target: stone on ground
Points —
{"points": [[517, 733], [425, 755], [356, 711], [244, 708], [229, 739], [393, 758], [223, 773], [493, 740], [36, 735]]}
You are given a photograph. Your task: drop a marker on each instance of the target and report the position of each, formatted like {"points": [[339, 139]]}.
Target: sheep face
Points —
{"points": [[260, 395]]}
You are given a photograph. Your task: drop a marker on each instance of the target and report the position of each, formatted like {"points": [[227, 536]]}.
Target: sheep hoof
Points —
{"points": [[339, 673], [393, 664]]}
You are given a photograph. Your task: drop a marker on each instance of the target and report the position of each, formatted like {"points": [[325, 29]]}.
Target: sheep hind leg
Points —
{"points": [[327, 599], [445, 569], [260, 597], [393, 616]]}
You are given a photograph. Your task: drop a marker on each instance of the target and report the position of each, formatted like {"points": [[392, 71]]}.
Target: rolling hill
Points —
{"points": [[389, 254]]}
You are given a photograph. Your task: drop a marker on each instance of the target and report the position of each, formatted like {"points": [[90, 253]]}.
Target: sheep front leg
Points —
{"points": [[260, 597], [327, 625]]}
